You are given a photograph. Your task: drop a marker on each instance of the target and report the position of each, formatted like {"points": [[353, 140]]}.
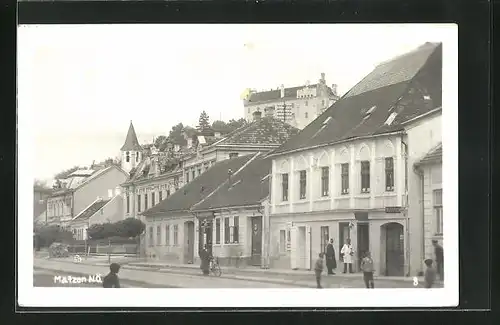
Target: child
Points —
{"points": [[318, 269], [367, 268], [430, 274], [111, 280]]}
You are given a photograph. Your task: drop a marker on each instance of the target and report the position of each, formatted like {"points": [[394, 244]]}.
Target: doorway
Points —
{"points": [[394, 249], [189, 242], [363, 241], [344, 233], [256, 241]]}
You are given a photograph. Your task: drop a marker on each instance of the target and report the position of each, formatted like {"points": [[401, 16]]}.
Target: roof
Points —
{"points": [[266, 130], [365, 109], [249, 187], [194, 191], [131, 142], [91, 210], [272, 95], [435, 155]]}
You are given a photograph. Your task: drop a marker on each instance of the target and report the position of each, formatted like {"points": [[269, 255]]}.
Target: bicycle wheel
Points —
{"points": [[216, 270]]}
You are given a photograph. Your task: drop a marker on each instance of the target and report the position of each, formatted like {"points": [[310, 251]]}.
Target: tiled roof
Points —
{"points": [[194, 191], [435, 155], [131, 142], [267, 130], [91, 210], [407, 98], [249, 187]]}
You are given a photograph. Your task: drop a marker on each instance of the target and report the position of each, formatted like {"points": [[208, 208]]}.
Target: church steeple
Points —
{"points": [[131, 150], [131, 142]]}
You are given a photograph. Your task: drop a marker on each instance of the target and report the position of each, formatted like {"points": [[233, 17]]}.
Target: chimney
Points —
{"points": [[257, 115], [334, 89], [282, 91], [322, 80]]}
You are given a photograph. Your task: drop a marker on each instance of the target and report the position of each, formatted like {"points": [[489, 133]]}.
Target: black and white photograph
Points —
{"points": [[302, 161]]}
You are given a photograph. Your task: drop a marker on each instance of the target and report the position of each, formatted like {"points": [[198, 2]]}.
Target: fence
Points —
{"points": [[104, 249]]}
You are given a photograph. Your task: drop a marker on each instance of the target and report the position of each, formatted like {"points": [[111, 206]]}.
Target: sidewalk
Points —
{"points": [[301, 278]]}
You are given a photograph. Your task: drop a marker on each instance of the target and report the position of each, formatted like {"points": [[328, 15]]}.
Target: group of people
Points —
{"points": [[366, 266]]}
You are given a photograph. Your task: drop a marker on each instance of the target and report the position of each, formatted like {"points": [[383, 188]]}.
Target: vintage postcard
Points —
{"points": [[304, 162]]}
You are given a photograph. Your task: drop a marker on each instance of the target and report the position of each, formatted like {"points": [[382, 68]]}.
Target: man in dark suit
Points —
{"points": [[331, 262]]}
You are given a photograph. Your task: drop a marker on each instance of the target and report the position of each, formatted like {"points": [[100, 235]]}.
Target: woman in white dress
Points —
{"points": [[347, 255]]}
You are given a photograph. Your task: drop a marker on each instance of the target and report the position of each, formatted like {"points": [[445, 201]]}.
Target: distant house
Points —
{"points": [[40, 196], [101, 210], [297, 106], [79, 190]]}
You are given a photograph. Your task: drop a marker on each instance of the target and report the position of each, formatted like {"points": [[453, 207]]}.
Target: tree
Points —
{"points": [[236, 124], [204, 121], [127, 228], [219, 125], [161, 142], [176, 135], [46, 235]]}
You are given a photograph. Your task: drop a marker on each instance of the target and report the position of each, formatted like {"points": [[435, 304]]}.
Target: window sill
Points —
{"points": [[323, 198]]}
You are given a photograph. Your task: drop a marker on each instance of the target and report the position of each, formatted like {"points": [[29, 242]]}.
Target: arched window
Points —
{"points": [[127, 156]]}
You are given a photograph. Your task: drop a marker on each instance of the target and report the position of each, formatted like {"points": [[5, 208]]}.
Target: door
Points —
{"points": [[325, 237], [344, 233], [256, 241], [189, 241], [308, 263], [394, 250], [294, 256], [363, 244]]}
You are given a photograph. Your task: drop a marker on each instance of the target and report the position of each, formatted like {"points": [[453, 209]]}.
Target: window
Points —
{"points": [[325, 237], [233, 155], [288, 241], [306, 115], [102, 211], [138, 203], [176, 235], [145, 202], [325, 178], [199, 171], [302, 184], [365, 177], [226, 231], [389, 174], [217, 231], [128, 203], [193, 174], [176, 181], [158, 236], [438, 210], [127, 157], [167, 235], [323, 103], [160, 194], [345, 178], [236, 230], [150, 236], [282, 241], [153, 199], [168, 193], [187, 177], [284, 186], [137, 157]]}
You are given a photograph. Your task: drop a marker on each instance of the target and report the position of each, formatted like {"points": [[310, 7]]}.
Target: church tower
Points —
{"points": [[131, 150]]}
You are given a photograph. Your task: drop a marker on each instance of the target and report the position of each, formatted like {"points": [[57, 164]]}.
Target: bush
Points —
{"points": [[127, 228], [46, 235]]}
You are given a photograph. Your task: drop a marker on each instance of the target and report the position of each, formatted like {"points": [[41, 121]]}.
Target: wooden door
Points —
{"points": [[394, 249], [363, 242], [256, 240]]}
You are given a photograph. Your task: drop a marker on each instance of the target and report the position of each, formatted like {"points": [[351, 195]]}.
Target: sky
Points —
{"points": [[79, 86]]}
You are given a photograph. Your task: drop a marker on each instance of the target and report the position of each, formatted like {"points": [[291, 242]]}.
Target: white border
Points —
{"points": [[89, 297]]}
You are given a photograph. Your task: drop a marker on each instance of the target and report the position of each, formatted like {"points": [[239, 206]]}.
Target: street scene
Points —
{"points": [[224, 164]]}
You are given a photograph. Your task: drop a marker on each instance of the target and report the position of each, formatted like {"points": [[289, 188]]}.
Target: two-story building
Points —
{"points": [[79, 190], [430, 169], [297, 106], [349, 174]]}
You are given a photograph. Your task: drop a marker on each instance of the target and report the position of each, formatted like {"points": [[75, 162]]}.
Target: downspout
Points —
{"points": [[406, 215]]}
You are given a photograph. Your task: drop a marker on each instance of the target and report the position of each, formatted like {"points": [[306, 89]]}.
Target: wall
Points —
{"points": [[421, 138], [98, 187], [164, 251], [111, 212], [374, 150], [432, 181]]}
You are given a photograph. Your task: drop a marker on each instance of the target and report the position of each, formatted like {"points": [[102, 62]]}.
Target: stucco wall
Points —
{"points": [[432, 181]]}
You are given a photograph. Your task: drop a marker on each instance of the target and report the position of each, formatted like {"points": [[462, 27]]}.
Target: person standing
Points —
{"points": [[430, 274], [367, 268], [331, 262], [438, 251], [205, 260], [111, 280], [347, 254], [318, 269]]}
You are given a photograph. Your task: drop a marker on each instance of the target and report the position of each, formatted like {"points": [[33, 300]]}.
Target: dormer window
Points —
{"points": [[137, 157], [127, 156]]}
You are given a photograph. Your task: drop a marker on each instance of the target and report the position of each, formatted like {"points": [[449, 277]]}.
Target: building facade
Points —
{"points": [[349, 174], [79, 190], [297, 106]]}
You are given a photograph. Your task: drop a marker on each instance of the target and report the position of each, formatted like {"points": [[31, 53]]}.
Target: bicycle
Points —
{"points": [[215, 267]]}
